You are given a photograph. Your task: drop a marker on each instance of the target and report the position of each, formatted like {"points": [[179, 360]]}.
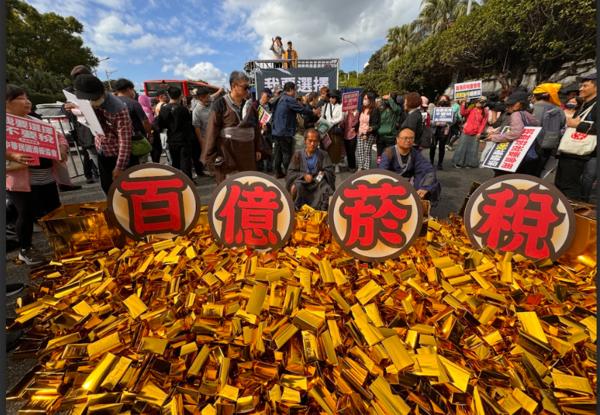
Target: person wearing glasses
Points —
{"points": [[405, 160], [467, 153], [233, 131]]}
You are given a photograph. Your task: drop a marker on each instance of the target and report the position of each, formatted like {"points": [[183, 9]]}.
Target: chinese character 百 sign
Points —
{"points": [[375, 215], [153, 199], [507, 156], [520, 214], [350, 101], [251, 210], [32, 137], [307, 80], [442, 114], [468, 90]]}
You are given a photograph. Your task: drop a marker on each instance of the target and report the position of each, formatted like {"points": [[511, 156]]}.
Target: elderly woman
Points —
{"points": [[32, 188], [310, 176], [409, 163]]}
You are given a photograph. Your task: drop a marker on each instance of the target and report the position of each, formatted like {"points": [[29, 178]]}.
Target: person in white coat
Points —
{"points": [[332, 112]]}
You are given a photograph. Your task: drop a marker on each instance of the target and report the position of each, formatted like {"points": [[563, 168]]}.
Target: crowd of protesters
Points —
{"points": [[216, 134]]}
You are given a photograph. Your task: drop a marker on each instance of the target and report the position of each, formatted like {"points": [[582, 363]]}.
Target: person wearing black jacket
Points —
{"points": [[176, 118], [414, 120], [576, 174], [311, 104], [368, 125]]}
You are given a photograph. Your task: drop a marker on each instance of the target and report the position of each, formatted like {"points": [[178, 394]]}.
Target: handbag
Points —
{"points": [[337, 130], [533, 152], [577, 143], [140, 145]]}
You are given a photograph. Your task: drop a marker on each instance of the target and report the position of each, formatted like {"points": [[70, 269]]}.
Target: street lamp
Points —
{"points": [[105, 59], [108, 74], [357, 56]]}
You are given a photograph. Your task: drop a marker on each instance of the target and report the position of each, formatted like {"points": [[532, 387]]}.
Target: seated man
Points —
{"points": [[310, 175], [410, 164]]}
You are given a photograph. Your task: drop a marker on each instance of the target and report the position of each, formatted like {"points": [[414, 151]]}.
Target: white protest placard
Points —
{"points": [[442, 114], [468, 90], [322, 126], [263, 116], [85, 113], [508, 156]]}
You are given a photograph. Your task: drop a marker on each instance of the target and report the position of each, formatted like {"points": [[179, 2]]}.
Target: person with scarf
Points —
{"points": [[233, 139], [405, 160], [310, 176], [467, 153]]}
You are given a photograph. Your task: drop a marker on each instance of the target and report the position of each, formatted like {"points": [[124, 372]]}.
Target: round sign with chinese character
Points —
{"points": [[153, 199], [251, 209], [521, 214], [375, 215]]}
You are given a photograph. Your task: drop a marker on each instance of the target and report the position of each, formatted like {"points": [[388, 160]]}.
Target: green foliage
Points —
{"points": [[44, 43]]}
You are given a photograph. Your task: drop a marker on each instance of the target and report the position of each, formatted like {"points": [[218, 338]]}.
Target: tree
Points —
{"points": [[439, 15], [401, 39], [44, 42]]}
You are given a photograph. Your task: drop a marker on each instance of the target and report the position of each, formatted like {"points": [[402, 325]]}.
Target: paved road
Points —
{"points": [[455, 186]]}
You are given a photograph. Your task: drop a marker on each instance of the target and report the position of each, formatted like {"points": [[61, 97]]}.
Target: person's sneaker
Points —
{"points": [[89, 180], [456, 166], [12, 289], [440, 167], [337, 168], [448, 147], [13, 339], [31, 256]]}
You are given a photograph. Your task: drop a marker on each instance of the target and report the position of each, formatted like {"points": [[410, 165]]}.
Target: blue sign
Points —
{"points": [[442, 114]]}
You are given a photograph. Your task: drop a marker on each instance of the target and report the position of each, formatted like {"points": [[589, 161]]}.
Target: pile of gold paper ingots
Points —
{"points": [[184, 327], [310, 227]]}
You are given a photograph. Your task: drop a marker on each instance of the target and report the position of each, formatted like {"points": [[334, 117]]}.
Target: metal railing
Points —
{"points": [[47, 118], [250, 66]]}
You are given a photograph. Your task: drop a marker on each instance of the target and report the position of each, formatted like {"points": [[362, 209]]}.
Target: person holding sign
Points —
{"points": [[310, 176], [467, 153], [443, 129], [332, 112], [517, 106], [31, 186], [409, 163]]}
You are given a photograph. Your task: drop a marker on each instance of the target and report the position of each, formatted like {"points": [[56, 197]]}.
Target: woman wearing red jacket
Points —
{"points": [[467, 153]]}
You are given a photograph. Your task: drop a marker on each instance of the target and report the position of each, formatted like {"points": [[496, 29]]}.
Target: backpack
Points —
{"points": [[535, 150], [273, 104], [549, 136]]}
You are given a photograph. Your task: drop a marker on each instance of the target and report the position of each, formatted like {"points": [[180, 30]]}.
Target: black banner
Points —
{"points": [[306, 79]]}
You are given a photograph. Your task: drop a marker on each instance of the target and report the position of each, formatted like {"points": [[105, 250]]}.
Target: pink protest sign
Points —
{"points": [[32, 137], [350, 101]]}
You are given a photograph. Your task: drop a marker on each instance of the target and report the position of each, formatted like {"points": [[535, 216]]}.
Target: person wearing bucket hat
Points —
{"points": [[332, 112], [517, 105], [576, 174], [114, 147]]}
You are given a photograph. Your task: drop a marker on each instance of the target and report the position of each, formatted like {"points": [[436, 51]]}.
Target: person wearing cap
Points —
{"points": [[277, 91], [404, 159], [576, 174], [163, 98], [547, 105], [233, 141], [332, 112], [467, 153], [277, 49], [284, 126], [83, 135], [200, 117], [114, 147], [290, 53], [517, 105]]}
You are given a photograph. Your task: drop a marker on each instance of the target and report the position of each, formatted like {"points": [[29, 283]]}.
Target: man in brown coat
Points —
{"points": [[233, 132]]}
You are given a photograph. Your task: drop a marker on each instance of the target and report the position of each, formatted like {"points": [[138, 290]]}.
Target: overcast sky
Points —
{"points": [[207, 39]]}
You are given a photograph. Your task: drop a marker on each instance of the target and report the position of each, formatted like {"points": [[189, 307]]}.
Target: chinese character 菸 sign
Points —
{"points": [[468, 90], [32, 137], [507, 156]]}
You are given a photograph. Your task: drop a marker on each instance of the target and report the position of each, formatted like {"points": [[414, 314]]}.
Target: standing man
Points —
{"points": [[139, 119], [177, 120], [277, 49], [284, 126], [114, 147], [576, 174], [290, 53], [200, 116], [233, 141]]}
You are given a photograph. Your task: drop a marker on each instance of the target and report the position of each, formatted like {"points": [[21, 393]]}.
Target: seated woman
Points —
{"points": [[409, 163], [310, 176]]}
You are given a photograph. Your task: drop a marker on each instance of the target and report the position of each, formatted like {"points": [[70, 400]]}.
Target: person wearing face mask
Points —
{"points": [[517, 106], [572, 106], [368, 125], [467, 153], [441, 133], [114, 147]]}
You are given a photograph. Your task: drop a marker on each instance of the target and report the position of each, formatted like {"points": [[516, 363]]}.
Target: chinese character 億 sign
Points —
{"points": [[32, 137], [350, 101], [375, 215], [158, 200], [520, 214], [468, 90], [251, 210], [508, 155]]}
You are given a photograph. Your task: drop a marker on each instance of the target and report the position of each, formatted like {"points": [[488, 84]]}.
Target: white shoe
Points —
{"points": [[337, 168]]}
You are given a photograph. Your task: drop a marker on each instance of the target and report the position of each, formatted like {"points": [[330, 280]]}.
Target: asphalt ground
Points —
{"points": [[455, 187]]}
